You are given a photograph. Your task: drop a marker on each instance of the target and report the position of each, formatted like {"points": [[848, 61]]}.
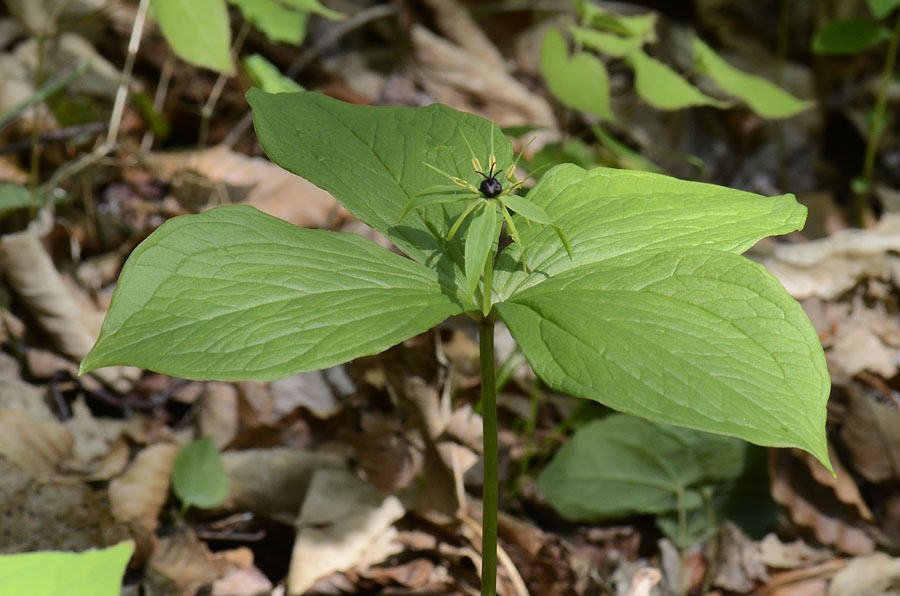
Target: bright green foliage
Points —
{"points": [[659, 85], [198, 477], [89, 573], [849, 36], [13, 196], [663, 88], [283, 20], [198, 31], [236, 294], [278, 22], [882, 8], [654, 312], [764, 98], [581, 81], [267, 76], [621, 465]]}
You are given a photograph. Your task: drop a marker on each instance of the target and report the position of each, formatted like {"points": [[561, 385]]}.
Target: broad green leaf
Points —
{"points": [[695, 337], [235, 294], [882, 8], [88, 573], [607, 213], [581, 82], [372, 159], [642, 26], [479, 239], [606, 43], [764, 98], [275, 20], [198, 31], [315, 7], [265, 74], [849, 36], [424, 200], [198, 477], [621, 465], [663, 88]]}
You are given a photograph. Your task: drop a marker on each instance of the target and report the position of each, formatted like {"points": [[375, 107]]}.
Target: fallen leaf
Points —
{"points": [[871, 433], [35, 446], [876, 574], [140, 492]]}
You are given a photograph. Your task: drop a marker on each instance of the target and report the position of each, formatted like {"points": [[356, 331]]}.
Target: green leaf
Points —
{"points": [[607, 213], [642, 26], [581, 82], [315, 7], [606, 43], [663, 88], [198, 477], [479, 239], [198, 31], [88, 573], [621, 465], [695, 337], [849, 36], [372, 159], [764, 98], [882, 8], [235, 294], [275, 20], [265, 74]]}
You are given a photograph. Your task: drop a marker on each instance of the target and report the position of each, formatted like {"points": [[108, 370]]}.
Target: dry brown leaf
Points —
{"points": [[186, 561], [739, 567], [310, 390], [810, 581], [273, 482], [140, 492], [53, 515], [779, 555], [342, 523], [37, 447], [268, 187], [834, 520], [876, 574], [871, 433], [219, 415], [240, 576], [94, 437], [455, 77]]}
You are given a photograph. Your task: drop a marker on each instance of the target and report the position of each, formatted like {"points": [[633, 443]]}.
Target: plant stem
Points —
{"points": [[491, 481], [877, 126]]}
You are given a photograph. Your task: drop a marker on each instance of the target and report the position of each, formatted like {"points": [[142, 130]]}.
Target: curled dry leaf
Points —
{"points": [[267, 187], [186, 561], [219, 415], [834, 516], [830, 266], [739, 567], [273, 482], [240, 576], [780, 555], [809, 581], [455, 77], [876, 574], [871, 432], [341, 520], [37, 447], [140, 492]]}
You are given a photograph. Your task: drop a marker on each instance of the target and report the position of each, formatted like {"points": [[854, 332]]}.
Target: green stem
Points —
{"points": [[878, 116], [491, 480]]}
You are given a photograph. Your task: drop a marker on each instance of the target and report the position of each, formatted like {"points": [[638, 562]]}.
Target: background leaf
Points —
{"points": [[274, 19], [234, 294], [581, 82], [264, 74], [882, 8], [849, 36], [663, 88], [763, 97], [93, 572], [695, 337], [198, 477], [372, 160], [606, 43], [198, 31], [621, 465], [608, 213]]}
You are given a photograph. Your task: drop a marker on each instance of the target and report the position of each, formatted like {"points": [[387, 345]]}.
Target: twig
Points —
{"points": [[56, 135], [514, 578]]}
